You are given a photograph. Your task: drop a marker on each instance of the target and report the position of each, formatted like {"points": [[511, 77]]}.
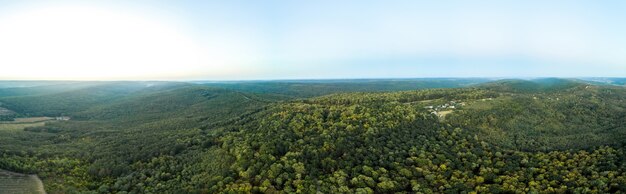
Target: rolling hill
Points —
{"points": [[547, 135]]}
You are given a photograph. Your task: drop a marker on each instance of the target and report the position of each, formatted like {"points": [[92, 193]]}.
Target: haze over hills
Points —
{"points": [[331, 136], [612, 81]]}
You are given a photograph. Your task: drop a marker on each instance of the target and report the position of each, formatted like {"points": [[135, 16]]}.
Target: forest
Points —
{"points": [[388, 136]]}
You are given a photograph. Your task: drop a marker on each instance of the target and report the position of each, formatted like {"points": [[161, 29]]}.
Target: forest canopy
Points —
{"points": [[508, 136]]}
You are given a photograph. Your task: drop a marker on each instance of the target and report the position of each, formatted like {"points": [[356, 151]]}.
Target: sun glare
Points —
{"points": [[87, 43]]}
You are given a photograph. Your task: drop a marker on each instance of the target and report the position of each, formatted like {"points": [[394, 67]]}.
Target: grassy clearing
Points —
{"points": [[429, 101], [443, 113], [27, 120], [482, 104], [19, 126], [15, 183]]}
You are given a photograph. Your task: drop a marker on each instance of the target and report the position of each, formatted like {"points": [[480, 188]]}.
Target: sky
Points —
{"points": [[258, 40]]}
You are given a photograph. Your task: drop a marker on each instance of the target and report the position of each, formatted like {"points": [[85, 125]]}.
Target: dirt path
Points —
{"points": [[40, 189], [244, 96]]}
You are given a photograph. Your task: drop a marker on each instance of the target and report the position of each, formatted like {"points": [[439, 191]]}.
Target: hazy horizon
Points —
{"points": [[307, 79], [283, 40]]}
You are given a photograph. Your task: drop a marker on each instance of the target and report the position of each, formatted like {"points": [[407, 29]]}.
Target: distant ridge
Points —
{"points": [[534, 85], [606, 81]]}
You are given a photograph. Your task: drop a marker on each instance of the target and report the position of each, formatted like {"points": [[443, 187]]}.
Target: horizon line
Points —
{"points": [[308, 79]]}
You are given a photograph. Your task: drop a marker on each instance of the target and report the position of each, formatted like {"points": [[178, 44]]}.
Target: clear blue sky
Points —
{"points": [[226, 40]]}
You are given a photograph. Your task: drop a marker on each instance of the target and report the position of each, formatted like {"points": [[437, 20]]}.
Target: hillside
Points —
{"points": [[578, 117], [29, 84], [105, 137], [58, 100], [545, 136], [40, 88], [389, 143]]}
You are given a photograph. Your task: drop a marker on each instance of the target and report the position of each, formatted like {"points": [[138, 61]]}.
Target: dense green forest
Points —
{"points": [[506, 136]]}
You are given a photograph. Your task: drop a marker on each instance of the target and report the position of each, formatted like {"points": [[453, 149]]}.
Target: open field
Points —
{"points": [[21, 123], [15, 183], [27, 120], [19, 126], [442, 114]]}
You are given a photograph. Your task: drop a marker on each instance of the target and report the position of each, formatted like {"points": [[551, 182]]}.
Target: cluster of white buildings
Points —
{"points": [[447, 106], [62, 118]]}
